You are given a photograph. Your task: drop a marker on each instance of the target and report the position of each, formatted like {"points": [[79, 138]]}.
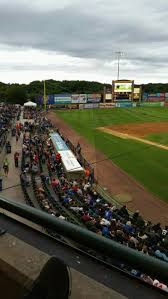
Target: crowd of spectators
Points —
{"points": [[29, 113], [7, 114], [79, 196], [103, 217]]}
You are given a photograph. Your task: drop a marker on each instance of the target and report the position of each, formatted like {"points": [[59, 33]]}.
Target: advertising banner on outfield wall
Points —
{"points": [[145, 96], [152, 104], [50, 99], [62, 99], [122, 100], [155, 99], [124, 105], [94, 98], [91, 106], [107, 105], [158, 94], [79, 98], [108, 96], [152, 95]]}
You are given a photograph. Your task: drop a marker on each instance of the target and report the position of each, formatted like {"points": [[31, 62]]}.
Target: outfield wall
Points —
{"points": [[155, 97], [110, 105], [71, 99], [125, 105], [94, 101]]}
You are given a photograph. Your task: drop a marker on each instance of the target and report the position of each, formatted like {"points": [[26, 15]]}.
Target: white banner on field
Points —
{"points": [[70, 162]]}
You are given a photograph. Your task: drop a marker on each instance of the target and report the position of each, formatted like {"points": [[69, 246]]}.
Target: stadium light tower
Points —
{"points": [[119, 54]]}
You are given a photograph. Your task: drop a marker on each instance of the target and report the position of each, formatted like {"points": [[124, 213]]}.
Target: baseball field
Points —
{"points": [[135, 139]]}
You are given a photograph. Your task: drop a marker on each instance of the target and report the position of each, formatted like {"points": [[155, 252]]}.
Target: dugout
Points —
{"points": [[72, 167]]}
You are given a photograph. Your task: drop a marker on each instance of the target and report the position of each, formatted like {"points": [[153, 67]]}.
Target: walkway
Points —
{"points": [[11, 184]]}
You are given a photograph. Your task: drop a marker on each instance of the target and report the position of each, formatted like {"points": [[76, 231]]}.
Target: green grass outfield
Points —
{"points": [[147, 164]]}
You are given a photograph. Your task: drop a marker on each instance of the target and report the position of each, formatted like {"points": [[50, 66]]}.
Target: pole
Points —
{"points": [[118, 74], [104, 94], [45, 98], [119, 54]]}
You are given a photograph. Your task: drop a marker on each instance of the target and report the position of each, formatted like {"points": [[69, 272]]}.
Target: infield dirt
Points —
{"points": [[117, 133], [140, 129]]}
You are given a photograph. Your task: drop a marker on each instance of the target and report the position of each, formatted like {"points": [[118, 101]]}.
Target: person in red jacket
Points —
{"points": [[16, 159], [58, 157], [55, 183], [35, 157]]}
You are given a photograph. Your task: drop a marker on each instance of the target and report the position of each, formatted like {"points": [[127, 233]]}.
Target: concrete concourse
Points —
{"points": [[11, 184]]}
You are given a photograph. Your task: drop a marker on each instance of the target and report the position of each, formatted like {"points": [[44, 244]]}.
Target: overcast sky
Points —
{"points": [[74, 39]]}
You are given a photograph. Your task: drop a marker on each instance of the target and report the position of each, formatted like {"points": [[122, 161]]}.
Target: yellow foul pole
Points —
{"points": [[45, 97]]}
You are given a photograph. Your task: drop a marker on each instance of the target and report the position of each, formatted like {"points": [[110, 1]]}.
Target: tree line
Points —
{"points": [[19, 93]]}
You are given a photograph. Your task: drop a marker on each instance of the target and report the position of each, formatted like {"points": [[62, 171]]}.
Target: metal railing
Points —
{"points": [[147, 264]]}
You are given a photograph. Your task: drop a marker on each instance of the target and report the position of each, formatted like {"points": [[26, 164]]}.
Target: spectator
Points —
{"points": [[78, 149], [160, 254], [146, 279], [140, 222], [135, 217], [16, 159], [34, 168], [55, 183], [86, 217], [123, 212], [160, 285], [6, 166], [17, 137], [105, 222], [25, 179], [128, 228], [142, 236], [105, 231], [157, 228]]}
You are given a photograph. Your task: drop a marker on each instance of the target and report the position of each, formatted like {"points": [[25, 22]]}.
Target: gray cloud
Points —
{"points": [[94, 29], [74, 32]]}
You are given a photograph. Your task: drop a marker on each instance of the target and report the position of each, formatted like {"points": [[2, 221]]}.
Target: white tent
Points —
{"points": [[30, 104]]}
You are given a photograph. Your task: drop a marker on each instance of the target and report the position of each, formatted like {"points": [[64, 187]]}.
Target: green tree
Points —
{"points": [[16, 94]]}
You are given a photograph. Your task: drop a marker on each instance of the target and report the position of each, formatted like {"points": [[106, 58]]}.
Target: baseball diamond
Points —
{"points": [[132, 171]]}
